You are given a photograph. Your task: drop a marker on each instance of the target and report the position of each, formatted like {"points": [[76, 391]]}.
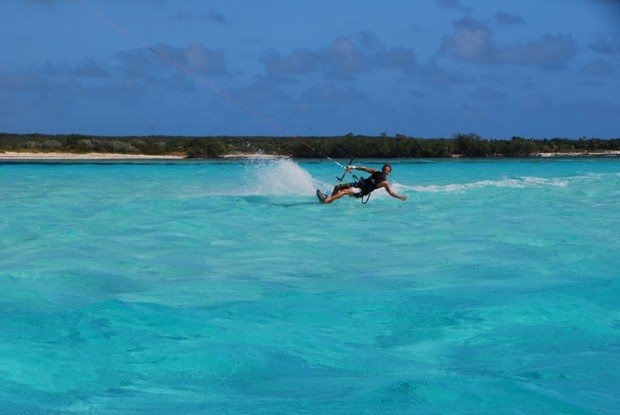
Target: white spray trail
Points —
{"points": [[278, 177], [511, 183]]}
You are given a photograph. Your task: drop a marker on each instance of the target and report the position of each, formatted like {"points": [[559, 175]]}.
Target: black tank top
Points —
{"points": [[371, 183]]}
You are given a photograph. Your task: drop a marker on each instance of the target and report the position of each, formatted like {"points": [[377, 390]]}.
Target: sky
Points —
{"points": [[422, 68]]}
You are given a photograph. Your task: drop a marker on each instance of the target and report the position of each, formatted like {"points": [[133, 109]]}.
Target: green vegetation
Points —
{"points": [[400, 146]]}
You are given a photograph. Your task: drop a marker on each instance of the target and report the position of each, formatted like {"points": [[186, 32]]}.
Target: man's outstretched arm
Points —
{"points": [[392, 192], [362, 168]]}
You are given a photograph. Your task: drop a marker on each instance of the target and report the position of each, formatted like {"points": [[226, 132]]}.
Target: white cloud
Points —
{"points": [[599, 68], [508, 19], [472, 41]]}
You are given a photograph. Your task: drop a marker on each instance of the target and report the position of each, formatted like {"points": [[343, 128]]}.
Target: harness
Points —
{"points": [[370, 184]]}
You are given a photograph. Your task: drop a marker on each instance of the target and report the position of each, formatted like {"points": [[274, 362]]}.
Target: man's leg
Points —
{"points": [[337, 188], [344, 192]]}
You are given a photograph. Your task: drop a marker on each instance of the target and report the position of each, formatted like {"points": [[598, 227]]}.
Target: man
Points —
{"points": [[377, 180]]}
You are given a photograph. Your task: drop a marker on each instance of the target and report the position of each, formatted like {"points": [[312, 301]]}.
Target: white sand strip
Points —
{"points": [[15, 155], [579, 154]]}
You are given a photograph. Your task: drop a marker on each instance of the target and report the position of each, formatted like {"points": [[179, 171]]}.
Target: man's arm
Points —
{"points": [[362, 168], [392, 192]]}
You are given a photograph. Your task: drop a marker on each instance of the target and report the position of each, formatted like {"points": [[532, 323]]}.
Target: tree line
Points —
{"points": [[349, 145]]}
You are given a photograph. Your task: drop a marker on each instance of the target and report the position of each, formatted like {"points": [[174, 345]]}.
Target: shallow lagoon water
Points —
{"points": [[204, 287]]}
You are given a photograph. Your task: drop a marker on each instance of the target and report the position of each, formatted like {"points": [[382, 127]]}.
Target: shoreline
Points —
{"points": [[30, 155], [18, 155], [607, 153]]}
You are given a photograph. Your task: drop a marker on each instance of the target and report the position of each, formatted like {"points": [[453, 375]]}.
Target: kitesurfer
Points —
{"points": [[363, 187]]}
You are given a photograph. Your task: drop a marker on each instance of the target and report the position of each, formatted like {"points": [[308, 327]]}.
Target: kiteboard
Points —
{"points": [[320, 195]]}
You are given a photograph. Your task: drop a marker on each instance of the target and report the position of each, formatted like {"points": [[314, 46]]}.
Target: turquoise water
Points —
{"points": [[195, 288]]}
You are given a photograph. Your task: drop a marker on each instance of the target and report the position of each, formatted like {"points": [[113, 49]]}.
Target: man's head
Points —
{"points": [[386, 169]]}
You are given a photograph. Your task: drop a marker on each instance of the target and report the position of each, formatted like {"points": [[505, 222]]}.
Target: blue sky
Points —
{"points": [[423, 68]]}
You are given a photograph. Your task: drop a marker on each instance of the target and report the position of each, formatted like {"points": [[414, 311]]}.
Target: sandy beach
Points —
{"points": [[580, 154], [15, 155], [18, 155]]}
